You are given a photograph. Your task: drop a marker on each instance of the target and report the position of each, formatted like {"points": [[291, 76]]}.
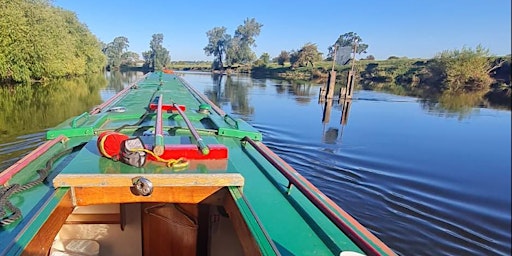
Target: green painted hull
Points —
{"points": [[283, 218]]}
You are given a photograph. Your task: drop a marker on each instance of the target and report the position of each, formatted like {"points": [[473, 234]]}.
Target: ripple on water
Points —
{"points": [[389, 198]]}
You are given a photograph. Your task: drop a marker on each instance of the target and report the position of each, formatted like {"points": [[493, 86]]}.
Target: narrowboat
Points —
{"points": [[159, 169]]}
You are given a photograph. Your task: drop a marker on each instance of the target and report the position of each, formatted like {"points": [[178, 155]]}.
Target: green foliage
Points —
{"points": [[218, 42], [39, 41], [192, 65], [158, 56], [264, 60], [115, 50], [239, 49], [283, 57], [307, 55], [236, 49], [463, 70], [129, 58], [348, 39], [370, 57]]}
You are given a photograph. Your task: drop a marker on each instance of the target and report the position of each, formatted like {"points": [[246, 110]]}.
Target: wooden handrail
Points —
{"points": [[326, 206]]}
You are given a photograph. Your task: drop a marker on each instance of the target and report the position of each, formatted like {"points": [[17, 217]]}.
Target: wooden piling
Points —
{"points": [[350, 85], [331, 83]]}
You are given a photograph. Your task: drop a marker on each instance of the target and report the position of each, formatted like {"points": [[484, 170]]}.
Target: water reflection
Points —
{"points": [[28, 110], [234, 94], [448, 104], [346, 104], [459, 105], [117, 80], [331, 135]]}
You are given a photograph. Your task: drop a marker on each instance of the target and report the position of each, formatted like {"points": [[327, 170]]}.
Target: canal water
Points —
{"points": [[425, 178]]}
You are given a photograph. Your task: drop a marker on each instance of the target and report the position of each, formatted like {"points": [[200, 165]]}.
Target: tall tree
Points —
{"points": [[239, 49], [218, 41], [114, 51], [158, 56], [348, 39]]}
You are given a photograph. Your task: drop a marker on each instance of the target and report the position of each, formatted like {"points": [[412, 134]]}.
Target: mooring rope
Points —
{"points": [[7, 191], [179, 163]]}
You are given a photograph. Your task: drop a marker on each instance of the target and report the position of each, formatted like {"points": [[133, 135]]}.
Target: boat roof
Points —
{"points": [[276, 205]]}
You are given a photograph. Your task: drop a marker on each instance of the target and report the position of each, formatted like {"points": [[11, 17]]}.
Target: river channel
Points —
{"points": [[424, 179]]}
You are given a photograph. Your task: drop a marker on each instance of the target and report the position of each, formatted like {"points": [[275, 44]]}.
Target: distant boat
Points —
{"points": [[158, 169], [168, 71]]}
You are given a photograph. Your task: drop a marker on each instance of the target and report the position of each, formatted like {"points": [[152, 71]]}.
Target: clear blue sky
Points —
{"points": [[403, 28]]}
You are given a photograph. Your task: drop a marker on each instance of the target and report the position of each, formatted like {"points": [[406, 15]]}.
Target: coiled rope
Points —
{"points": [[179, 163], [8, 191]]}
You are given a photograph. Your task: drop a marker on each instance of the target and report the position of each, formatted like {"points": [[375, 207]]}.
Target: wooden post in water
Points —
{"points": [[350, 79], [331, 83], [327, 112], [321, 96], [350, 85], [345, 111]]}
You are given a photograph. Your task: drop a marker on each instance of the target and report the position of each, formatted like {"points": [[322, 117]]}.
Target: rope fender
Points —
{"points": [[7, 191]]}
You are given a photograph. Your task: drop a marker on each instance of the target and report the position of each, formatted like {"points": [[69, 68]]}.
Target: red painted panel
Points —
{"points": [[191, 152], [166, 107]]}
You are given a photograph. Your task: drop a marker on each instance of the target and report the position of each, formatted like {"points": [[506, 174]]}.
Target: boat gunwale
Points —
{"points": [[15, 168], [346, 223]]}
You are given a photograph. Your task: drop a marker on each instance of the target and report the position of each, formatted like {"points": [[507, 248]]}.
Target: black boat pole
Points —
{"points": [[200, 143]]}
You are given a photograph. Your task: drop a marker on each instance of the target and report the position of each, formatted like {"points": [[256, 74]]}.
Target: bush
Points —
{"points": [[463, 70]]}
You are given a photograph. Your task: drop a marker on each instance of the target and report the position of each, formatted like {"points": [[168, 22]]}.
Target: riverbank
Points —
{"points": [[402, 76]]}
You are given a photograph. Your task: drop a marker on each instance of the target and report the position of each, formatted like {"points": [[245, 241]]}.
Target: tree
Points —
{"points": [[39, 41], [114, 51], [348, 39], [158, 56], [239, 48], [218, 41], [283, 57], [370, 57], [129, 58], [264, 60], [307, 55]]}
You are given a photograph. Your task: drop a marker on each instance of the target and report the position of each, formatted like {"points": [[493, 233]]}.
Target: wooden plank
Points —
{"points": [[107, 195], [249, 244], [167, 231], [43, 240], [162, 180], [95, 218]]}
